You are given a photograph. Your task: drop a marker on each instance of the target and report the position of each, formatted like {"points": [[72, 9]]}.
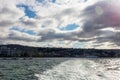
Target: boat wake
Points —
{"points": [[83, 69]]}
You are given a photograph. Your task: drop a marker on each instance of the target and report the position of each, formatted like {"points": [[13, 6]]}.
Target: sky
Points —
{"points": [[61, 23]]}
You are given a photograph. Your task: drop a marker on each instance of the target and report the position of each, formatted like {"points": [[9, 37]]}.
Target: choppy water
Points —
{"points": [[60, 69]]}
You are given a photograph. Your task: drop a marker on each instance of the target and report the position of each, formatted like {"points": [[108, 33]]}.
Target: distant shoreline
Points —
{"points": [[26, 52], [15, 58], [30, 58]]}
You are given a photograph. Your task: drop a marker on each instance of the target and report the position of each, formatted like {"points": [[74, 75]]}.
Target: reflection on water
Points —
{"points": [[60, 69]]}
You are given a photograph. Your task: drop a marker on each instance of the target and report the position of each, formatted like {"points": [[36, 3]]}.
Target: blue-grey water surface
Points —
{"points": [[60, 69]]}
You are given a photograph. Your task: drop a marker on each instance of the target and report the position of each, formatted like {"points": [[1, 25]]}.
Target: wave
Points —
{"points": [[83, 69]]}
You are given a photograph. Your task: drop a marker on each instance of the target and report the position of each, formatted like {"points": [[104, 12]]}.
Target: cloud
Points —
{"points": [[9, 14], [107, 16], [16, 35], [97, 23]]}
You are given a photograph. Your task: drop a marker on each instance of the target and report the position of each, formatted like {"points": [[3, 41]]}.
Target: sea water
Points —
{"points": [[60, 69]]}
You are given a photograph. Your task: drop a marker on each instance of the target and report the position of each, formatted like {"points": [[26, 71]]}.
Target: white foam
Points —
{"points": [[79, 69]]}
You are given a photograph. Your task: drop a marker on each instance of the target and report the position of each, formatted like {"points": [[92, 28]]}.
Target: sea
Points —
{"points": [[60, 69]]}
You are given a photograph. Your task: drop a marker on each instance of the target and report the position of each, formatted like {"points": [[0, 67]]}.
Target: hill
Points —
{"points": [[12, 50]]}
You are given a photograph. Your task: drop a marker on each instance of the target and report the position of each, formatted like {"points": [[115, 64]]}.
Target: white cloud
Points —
{"points": [[98, 22]]}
